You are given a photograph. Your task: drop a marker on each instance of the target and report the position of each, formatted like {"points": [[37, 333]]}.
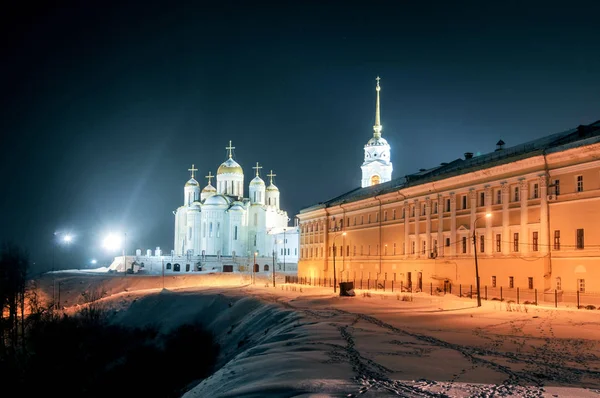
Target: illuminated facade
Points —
{"points": [[543, 232]]}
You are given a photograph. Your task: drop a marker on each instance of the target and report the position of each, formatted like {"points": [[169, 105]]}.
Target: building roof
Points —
{"points": [[576, 137]]}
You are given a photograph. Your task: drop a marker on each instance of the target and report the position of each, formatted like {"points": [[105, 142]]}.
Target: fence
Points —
{"points": [[589, 300]]}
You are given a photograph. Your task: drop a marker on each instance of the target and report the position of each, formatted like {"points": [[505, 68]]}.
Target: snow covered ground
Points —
{"points": [[301, 341]]}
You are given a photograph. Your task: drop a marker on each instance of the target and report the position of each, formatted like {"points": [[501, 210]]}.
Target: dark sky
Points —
{"points": [[105, 107]]}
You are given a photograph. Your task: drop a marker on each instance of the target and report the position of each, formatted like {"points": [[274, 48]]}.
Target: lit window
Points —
{"points": [[493, 281], [516, 194], [530, 282], [511, 282], [498, 243], [536, 193], [557, 240], [499, 197], [516, 242], [534, 241]]}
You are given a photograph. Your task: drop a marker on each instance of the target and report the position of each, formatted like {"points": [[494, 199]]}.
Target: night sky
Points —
{"points": [[105, 107]]}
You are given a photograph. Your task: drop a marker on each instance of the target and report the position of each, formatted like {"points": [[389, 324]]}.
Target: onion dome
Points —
{"points": [[192, 183], [209, 188], [230, 166]]}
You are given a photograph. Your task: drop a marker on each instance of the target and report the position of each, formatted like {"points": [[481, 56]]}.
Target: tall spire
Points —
{"points": [[377, 128]]}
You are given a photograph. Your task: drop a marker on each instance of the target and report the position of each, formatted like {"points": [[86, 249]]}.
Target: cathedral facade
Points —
{"points": [[221, 221]]}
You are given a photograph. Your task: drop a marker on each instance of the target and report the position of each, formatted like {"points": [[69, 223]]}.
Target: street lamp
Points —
{"points": [[113, 242], [487, 215], [334, 250]]}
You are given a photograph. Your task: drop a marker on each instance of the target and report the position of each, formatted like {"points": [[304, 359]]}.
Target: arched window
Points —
{"points": [[375, 180], [168, 265]]}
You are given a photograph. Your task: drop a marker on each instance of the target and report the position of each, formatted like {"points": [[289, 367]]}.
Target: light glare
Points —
{"points": [[112, 242]]}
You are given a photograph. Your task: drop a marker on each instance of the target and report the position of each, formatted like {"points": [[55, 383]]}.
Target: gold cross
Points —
{"points": [[271, 175], [378, 79], [210, 177], [192, 170], [257, 167], [229, 148]]}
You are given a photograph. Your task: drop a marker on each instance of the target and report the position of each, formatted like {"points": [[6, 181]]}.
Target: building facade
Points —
{"points": [[542, 233]]}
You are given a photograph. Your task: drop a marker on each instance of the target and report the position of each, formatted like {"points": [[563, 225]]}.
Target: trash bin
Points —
{"points": [[347, 289]]}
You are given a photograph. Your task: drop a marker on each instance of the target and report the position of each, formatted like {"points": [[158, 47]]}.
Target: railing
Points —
{"points": [[582, 300]]}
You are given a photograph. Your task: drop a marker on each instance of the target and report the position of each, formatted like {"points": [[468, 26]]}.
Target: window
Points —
{"points": [[361, 250], [511, 282], [412, 249], [534, 241], [580, 238], [204, 230], [288, 250], [424, 209], [377, 217], [385, 250], [581, 285], [354, 220], [347, 221], [516, 242], [354, 250], [464, 202], [530, 282], [235, 234], [464, 244], [424, 247], [394, 249], [385, 215], [499, 197], [493, 281], [403, 212], [362, 220], [210, 230], [369, 250], [482, 244], [498, 243], [447, 242], [218, 230], [347, 250], [536, 191], [330, 251], [435, 207], [341, 251], [254, 240], [557, 187], [579, 183], [369, 219], [482, 199], [394, 214], [557, 239], [558, 283], [516, 194], [412, 211]]}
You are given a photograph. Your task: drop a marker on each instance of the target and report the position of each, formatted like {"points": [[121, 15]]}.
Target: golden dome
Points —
{"points": [[272, 187], [192, 183], [257, 181], [230, 166]]}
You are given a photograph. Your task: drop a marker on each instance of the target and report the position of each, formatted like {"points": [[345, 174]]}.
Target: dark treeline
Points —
{"points": [[46, 352]]}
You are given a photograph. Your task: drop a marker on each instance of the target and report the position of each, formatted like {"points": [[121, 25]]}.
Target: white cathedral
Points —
{"points": [[377, 166], [218, 229], [221, 221]]}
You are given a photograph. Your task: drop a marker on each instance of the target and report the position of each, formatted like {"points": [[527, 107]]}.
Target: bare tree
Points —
{"points": [[14, 264]]}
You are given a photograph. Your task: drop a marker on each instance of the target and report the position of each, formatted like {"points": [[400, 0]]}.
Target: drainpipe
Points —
{"points": [[549, 236], [380, 243]]}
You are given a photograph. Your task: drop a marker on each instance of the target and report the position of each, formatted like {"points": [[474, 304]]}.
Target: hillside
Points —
{"points": [[300, 341]]}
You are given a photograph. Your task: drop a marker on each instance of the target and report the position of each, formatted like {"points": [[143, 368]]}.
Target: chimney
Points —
{"points": [[468, 155]]}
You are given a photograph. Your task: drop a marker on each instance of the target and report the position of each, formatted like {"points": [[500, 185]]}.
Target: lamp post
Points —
{"points": [[488, 215], [334, 251], [66, 238], [254, 269]]}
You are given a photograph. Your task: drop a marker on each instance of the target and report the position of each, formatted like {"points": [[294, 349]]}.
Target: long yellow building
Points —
{"points": [[541, 232]]}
